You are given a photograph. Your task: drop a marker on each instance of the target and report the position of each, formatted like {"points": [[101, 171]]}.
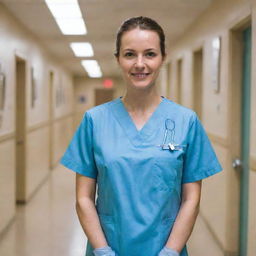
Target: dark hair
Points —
{"points": [[143, 23]]}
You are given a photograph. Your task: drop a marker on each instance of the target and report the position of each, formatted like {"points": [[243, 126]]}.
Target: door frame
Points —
{"points": [[234, 129]]}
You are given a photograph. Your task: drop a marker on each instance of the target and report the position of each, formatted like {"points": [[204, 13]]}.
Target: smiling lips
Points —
{"points": [[140, 75]]}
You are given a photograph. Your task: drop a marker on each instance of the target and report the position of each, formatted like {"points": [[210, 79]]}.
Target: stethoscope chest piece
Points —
{"points": [[171, 146]]}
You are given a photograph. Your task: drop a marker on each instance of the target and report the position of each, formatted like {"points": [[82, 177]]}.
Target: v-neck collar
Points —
{"points": [[137, 137]]}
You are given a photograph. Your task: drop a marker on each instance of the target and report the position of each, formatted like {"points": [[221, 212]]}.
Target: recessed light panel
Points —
{"points": [[82, 49], [92, 68], [68, 16]]}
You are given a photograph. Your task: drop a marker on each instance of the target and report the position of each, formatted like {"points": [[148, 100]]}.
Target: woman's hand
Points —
{"points": [[168, 252], [104, 251]]}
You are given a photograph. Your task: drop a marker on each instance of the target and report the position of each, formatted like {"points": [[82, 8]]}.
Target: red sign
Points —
{"points": [[108, 83]]}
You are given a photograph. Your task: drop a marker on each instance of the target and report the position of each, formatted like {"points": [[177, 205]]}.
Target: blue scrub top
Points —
{"points": [[139, 182]]}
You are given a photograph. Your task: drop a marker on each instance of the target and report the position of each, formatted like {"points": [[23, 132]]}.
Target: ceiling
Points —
{"points": [[102, 19]]}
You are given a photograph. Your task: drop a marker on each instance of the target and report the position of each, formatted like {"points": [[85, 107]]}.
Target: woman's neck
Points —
{"points": [[141, 100]]}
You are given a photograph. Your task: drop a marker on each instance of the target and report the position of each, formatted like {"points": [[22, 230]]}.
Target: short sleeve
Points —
{"points": [[200, 159], [79, 155]]}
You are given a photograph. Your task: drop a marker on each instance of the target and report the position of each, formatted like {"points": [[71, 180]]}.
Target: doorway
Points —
{"points": [[197, 81], [103, 95], [20, 66]]}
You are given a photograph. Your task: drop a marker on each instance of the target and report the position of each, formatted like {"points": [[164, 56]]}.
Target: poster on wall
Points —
{"points": [[60, 95], [216, 48]]}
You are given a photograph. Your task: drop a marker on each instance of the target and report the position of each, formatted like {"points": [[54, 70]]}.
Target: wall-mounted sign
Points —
{"points": [[215, 67], [82, 99], [60, 95]]}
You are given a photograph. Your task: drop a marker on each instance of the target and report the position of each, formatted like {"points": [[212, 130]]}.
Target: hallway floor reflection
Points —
{"points": [[47, 225]]}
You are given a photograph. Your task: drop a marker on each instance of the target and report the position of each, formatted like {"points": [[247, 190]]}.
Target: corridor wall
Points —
{"points": [[85, 87], [220, 193], [42, 121]]}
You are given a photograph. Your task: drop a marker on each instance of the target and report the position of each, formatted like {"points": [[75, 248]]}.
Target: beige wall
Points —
{"points": [[15, 40], [86, 87], [7, 182], [63, 130], [162, 81], [220, 193]]}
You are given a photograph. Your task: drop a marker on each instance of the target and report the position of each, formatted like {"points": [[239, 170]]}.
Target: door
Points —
{"points": [[197, 81], [245, 141], [20, 130], [103, 95]]}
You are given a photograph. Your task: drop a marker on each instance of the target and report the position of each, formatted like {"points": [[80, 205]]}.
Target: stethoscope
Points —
{"points": [[169, 129], [170, 133]]}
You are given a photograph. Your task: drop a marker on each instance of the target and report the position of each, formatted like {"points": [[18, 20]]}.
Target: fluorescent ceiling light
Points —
{"points": [[65, 11], [72, 26], [60, 1], [82, 49], [92, 68], [64, 8], [68, 16]]}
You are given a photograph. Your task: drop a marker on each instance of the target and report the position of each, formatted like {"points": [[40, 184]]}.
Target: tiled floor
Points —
{"points": [[48, 225]]}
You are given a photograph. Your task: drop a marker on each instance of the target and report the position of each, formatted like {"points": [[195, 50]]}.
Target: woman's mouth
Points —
{"points": [[140, 75]]}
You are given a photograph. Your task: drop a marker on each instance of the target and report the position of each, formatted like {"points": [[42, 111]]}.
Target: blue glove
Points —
{"points": [[104, 251], [168, 252]]}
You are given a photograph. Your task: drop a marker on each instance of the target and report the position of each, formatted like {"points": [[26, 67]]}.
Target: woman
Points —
{"points": [[147, 154]]}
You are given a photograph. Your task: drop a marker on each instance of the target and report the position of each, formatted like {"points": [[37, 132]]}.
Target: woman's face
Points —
{"points": [[140, 57]]}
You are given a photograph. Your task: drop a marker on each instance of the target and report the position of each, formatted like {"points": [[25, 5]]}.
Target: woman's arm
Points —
{"points": [[186, 217], [86, 211]]}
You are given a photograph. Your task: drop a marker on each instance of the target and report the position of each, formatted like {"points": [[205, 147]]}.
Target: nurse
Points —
{"points": [[146, 154]]}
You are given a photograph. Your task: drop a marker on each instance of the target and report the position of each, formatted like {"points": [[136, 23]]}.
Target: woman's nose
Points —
{"points": [[139, 62]]}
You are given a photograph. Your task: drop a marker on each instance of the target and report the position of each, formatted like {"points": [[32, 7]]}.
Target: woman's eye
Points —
{"points": [[151, 54], [128, 54]]}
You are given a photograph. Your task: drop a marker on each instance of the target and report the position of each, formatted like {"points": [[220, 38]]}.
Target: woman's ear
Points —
{"points": [[117, 58]]}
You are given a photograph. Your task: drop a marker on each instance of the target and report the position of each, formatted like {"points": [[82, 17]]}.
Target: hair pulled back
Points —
{"points": [[143, 23]]}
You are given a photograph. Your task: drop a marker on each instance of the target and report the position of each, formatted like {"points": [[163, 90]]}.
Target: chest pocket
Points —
{"points": [[167, 169], [165, 177]]}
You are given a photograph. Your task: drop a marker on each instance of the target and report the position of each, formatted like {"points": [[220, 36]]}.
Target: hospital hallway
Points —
{"points": [[58, 61]]}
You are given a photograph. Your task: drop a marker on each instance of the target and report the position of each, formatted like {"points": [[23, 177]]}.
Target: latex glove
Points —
{"points": [[104, 251], [168, 252]]}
